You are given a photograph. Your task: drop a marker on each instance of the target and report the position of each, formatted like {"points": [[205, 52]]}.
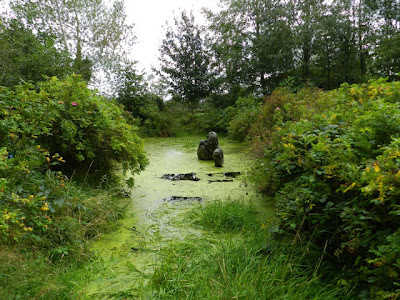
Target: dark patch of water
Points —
{"points": [[220, 180], [175, 177], [226, 174], [178, 198]]}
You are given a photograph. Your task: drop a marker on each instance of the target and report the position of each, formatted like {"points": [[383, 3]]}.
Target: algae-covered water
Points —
{"points": [[127, 256]]}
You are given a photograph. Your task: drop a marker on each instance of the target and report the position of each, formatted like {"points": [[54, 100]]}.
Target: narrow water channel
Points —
{"points": [[127, 255]]}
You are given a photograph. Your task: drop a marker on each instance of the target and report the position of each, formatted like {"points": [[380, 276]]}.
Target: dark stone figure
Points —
{"points": [[210, 150]]}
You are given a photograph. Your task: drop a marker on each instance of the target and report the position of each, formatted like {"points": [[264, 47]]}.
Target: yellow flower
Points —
{"points": [[45, 206]]}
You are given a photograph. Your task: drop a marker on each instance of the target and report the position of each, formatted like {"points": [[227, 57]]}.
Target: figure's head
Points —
{"points": [[212, 138], [218, 157]]}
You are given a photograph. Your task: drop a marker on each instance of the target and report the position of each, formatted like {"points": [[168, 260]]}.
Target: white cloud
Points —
{"points": [[150, 16]]}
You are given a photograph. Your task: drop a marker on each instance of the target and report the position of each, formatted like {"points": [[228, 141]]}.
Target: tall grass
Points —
{"points": [[33, 276], [239, 261], [227, 217], [55, 266]]}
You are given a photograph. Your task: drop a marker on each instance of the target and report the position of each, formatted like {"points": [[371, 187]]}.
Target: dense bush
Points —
{"points": [[210, 118], [27, 56], [334, 174], [236, 120], [63, 116], [245, 112], [282, 106], [45, 130]]}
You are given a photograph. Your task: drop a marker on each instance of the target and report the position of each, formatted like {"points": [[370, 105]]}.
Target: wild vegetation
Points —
{"points": [[309, 86], [331, 164], [236, 257]]}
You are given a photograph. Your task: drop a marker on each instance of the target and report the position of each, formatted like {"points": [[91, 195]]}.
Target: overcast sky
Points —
{"points": [[150, 16]]}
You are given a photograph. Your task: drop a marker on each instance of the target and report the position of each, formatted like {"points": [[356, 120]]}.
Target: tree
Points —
{"points": [[185, 62], [134, 93], [26, 57], [387, 38], [272, 44], [252, 44], [95, 34]]}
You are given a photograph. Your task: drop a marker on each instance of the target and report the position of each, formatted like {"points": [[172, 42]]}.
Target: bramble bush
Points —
{"points": [[334, 174], [65, 117], [46, 132]]}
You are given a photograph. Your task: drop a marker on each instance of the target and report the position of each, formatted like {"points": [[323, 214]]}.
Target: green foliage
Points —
{"points": [[244, 114], [210, 118], [146, 109], [257, 44], [184, 61], [26, 57], [235, 119], [22, 212], [65, 117], [333, 172], [47, 211], [95, 34], [230, 216], [238, 260], [38, 204], [282, 106], [388, 62], [60, 259]]}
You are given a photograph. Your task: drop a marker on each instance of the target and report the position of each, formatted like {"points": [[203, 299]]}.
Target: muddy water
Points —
{"points": [[126, 255]]}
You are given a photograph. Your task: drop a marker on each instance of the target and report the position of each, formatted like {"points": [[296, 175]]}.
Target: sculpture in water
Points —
{"points": [[210, 150]]}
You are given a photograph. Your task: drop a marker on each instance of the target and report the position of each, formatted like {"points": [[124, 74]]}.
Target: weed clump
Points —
{"points": [[230, 216]]}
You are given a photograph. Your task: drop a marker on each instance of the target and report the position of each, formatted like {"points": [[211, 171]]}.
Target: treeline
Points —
{"points": [[58, 38], [253, 46]]}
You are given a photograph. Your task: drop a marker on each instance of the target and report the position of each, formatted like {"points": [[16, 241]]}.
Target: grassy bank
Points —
{"points": [[228, 252], [61, 261]]}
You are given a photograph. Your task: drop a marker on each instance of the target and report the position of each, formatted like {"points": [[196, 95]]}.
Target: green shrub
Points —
{"points": [[283, 105], [244, 114], [60, 126], [210, 118], [63, 116], [44, 210], [334, 175]]}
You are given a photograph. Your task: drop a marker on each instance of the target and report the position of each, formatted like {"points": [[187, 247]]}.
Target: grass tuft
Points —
{"points": [[231, 216]]}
